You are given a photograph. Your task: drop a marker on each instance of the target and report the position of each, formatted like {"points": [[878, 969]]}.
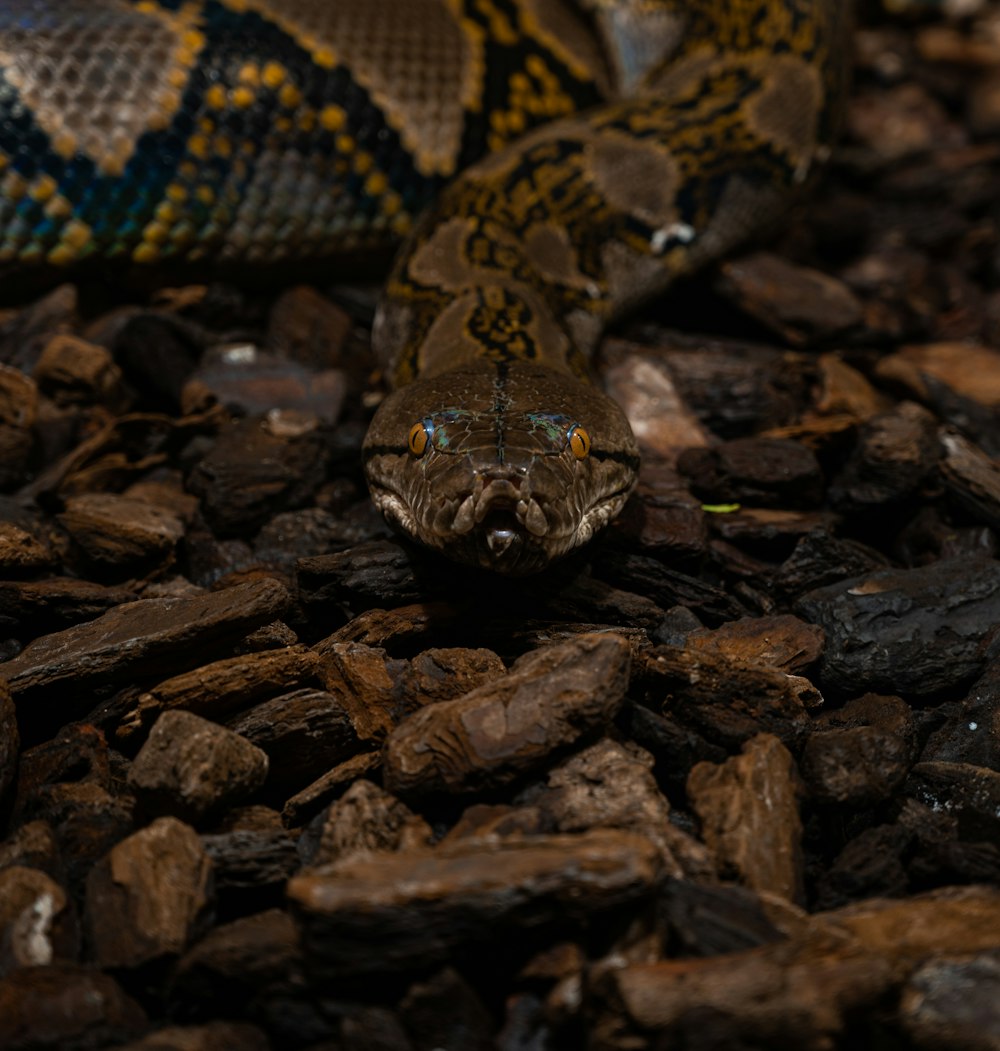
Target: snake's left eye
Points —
{"points": [[419, 437], [579, 441]]}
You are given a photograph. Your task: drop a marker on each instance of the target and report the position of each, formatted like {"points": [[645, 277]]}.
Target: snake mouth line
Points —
{"points": [[500, 500]]}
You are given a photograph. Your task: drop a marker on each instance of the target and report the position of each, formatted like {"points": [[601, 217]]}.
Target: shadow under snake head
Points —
{"points": [[505, 466]]}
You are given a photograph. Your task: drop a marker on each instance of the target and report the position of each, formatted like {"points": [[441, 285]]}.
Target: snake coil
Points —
{"points": [[549, 166]]}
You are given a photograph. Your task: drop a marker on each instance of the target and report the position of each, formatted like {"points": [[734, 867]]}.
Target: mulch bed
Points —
{"points": [[730, 779]]}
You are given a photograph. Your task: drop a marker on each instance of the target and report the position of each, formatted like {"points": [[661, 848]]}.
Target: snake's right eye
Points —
{"points": [[420, 435]]}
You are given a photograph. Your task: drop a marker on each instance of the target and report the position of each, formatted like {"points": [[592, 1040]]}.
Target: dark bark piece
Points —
{"points": [[149, 898], [915, 632], [971, 477], [860, 754], [826, 436], [210, 560], [801, 993], [364, 820], [23, 336], [524, 636], [726, 703], [120, 535], [956, 402], [236, 962], [414, 626], [938, 856], [394, 912], [971, 732], [274, 636], [845, 390], [251, 860], [145, 638], [86, 820], [970, 370], [767, 472], [64, 1007], [608, 785], [329, 787], [950, 921], [121, 452], [896, 452], [954, 1004], [157, 352], [306, 327], [805, 991], [709, 920], [749, 813], [367, 575], [800, 304], [68, 782], [252, 471], [287, 537], [872, 864], [769, 532], [37, 921], [78, 753], [22, 553], [668, 587], [443, 675], [504, 729], [590, 600], [359, 676], [735, 387], [662, 518], [971, 794], [72, 370], [193, 769], [661, 421], [213, 1036], [783, 642], [165, 489], [303, 733], [32, 606], [820, 559], [676, 747], [217, 689]]}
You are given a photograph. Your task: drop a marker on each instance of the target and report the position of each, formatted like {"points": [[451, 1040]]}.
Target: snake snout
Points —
{"points": [[501, 508]]}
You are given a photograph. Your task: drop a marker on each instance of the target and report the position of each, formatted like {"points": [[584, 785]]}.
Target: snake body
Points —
{"points": [[619, 145]]}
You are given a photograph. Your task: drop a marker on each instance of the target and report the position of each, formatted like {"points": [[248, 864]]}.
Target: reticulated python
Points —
{"points": [[632, 142]]}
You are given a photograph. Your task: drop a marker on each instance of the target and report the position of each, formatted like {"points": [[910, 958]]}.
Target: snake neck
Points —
{"points": [[534, 249]]}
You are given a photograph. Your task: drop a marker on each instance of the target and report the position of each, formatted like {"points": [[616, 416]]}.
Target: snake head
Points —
{"points": [[505, 467]]}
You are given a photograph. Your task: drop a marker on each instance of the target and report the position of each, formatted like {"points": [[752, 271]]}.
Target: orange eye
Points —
{"points": [[420, 435], [579, 442]]}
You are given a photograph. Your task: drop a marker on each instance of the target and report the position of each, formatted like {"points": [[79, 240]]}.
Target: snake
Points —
{"points": [[545, 166]]}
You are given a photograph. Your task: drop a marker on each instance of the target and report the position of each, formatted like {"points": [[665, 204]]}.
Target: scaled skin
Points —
{"points": [[498, 486]]}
